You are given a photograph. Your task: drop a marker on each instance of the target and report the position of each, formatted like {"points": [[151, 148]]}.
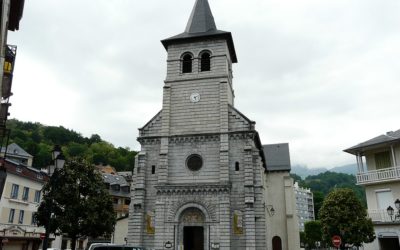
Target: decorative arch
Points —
{"points": [[188, 206], [187, 62], [205, 60]]}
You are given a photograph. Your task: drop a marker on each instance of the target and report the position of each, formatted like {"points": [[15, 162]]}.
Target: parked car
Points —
{"points": [[108, 246]]}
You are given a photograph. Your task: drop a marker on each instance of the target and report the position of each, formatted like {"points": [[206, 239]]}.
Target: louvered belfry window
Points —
{"points": [[383, 160], [205, 62], [187, 63]]}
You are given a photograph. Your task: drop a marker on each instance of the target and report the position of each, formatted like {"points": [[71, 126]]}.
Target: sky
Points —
{"points": [[320, 75]]}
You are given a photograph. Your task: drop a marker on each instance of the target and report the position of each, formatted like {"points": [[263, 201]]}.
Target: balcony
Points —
{"points": [[121, 208], [380, 216], [379, 176]]}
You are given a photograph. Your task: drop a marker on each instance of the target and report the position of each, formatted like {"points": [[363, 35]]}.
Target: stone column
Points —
{"points": [[160, 225], [225, 222], [136, 219]]}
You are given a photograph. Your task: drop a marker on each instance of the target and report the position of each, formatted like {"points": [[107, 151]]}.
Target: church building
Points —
{"points": [[199, 179]]}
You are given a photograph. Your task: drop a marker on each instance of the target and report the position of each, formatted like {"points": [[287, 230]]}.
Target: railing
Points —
{"points": [[121, 207], [379, 215], [381, 175]]}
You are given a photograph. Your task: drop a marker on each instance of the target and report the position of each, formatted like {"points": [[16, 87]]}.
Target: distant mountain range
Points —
{"points": [[304, 171]]}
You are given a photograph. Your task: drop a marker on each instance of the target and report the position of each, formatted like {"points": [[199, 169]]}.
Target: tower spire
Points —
{"points": [[201, 19]]}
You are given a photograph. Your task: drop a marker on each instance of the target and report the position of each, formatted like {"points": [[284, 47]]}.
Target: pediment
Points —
{"points": [[153, 127]]}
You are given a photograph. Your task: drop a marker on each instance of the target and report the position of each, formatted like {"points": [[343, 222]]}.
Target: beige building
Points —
{"points": [[281, 219], [378, 162], [19, 200]]}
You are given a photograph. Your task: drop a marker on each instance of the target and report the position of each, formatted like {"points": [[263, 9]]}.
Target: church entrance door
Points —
{"points": [[193, 238]]}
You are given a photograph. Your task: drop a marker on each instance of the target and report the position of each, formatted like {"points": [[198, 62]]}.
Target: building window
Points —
{"points": [[187, 61], [14, 191], [33, 221], [153, 169], [11, 216], [25, 194], [194, 162], [205, 63], [383, 160], [37, 196], [237, 166], [21, 217]]}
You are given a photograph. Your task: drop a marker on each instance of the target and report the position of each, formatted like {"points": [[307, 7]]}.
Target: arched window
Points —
{"points": [[205, 61], [187, 63]]}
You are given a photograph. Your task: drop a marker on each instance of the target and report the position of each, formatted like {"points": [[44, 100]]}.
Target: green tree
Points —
{"points": [[78, 202], [343, 214], [318, 198], [313, 233]]}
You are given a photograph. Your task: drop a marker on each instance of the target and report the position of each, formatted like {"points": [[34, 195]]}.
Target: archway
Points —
{"points": [[192, 229], [276, 243]]}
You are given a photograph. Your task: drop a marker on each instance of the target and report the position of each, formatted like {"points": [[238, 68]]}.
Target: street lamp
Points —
{"points": [[391, 211], [58, 163]]}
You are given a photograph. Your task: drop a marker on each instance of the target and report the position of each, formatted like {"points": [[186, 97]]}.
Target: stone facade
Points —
{"points": [[199, 177]]}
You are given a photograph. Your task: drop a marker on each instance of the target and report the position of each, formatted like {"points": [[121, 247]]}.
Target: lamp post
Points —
{"points": [[391, 211], [58, 163]]}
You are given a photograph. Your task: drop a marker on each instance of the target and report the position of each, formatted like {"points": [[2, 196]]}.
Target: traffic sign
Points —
{"points": [[42, 236], [336, 241]]}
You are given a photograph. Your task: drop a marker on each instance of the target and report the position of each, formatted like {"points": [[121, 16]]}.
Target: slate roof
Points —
{"points": [[14, 149], [277, 157], [116, 180], [389, 137], [201, 25]]}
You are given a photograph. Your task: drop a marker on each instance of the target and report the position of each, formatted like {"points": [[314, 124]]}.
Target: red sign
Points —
{"points": [[336, 241], [42, 236]]}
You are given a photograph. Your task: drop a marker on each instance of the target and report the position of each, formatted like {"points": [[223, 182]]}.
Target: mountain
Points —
{"points": [[304, 171]]}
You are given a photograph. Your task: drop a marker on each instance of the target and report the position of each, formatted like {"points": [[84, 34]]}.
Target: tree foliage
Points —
{"points": [[76, 200], [38, 140], [313, 233], [343, 214], [328, 181]]}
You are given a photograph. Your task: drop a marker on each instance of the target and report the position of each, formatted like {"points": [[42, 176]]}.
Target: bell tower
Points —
{"points": [[199, 75]]}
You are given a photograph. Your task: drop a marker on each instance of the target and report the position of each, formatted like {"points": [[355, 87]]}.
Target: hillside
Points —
{"points": [[38, 140], [304, 171]]}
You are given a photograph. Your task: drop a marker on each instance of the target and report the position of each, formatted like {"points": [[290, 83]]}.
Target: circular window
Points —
{"points": [[194, 162]]}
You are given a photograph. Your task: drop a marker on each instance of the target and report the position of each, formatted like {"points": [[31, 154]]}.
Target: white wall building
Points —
{"points": [[379, 172], [19, 200], [304, 205]]}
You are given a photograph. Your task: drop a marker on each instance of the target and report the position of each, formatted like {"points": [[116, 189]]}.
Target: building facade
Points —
{"points": [[279, 200], [19, 201], [379, 173], [304, 205], [199, 180]]}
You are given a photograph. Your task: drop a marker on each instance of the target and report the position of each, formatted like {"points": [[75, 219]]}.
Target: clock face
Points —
{"points": [[195, 97]]}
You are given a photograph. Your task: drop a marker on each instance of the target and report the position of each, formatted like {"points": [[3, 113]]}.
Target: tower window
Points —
{"points": [[237, 166], [187, 63], [153, 169], [205, 64]]}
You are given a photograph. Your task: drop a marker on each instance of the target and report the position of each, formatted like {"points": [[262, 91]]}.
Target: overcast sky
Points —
{"points": [[321, 75]]}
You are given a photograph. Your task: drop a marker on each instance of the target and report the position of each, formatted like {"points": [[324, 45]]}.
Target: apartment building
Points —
{"points": [[304, 205], [19, 201], [379, 172]]}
